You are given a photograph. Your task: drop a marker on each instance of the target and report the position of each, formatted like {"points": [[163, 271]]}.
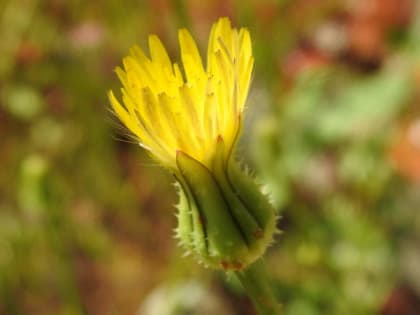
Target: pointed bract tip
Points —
{"points": [[179, 152]]}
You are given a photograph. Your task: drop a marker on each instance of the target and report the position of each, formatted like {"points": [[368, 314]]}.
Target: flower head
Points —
{"points": [[190, 123], [170, 111]]}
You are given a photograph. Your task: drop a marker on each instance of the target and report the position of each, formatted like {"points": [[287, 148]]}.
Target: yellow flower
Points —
{"points": [[171, 112], [190, 123]]}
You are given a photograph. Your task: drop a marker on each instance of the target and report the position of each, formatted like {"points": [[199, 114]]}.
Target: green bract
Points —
{"points": [[223, 219]]}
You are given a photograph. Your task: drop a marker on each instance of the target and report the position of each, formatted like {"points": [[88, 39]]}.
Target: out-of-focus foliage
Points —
{"points": [[334, 157], [333, 130]]}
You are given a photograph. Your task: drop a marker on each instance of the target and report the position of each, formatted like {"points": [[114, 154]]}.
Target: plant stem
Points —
{"points": [[256, 283]]}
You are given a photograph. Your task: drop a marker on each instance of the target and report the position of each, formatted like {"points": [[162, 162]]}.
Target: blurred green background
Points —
{"points": [[332, 131]]}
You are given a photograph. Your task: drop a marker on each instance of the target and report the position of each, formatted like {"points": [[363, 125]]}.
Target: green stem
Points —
{"points": [[256, 283]]}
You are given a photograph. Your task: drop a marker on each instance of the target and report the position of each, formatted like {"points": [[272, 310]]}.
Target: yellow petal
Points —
{"points": [[190, 56], [158, 52]]}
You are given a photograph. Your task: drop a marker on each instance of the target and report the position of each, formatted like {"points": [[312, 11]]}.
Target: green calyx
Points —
{"points": [[223, 218]]}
